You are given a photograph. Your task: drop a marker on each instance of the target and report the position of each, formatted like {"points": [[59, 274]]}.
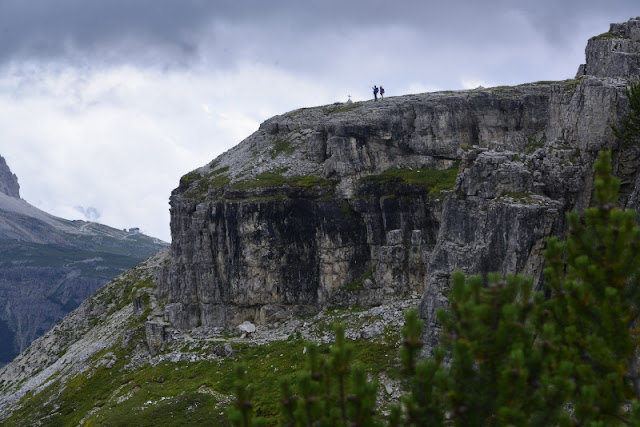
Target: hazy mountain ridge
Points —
{"points": [[49, 265]]}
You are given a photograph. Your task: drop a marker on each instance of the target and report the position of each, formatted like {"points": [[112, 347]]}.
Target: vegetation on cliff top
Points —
{"points": [[219, 178], [608, 36], [342, 108]]}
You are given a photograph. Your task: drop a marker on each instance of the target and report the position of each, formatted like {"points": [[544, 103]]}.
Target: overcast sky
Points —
{"points": [[104, 104]]}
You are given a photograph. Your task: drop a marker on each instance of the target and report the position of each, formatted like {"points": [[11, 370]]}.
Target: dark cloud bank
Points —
{"points": [[174, 32]]}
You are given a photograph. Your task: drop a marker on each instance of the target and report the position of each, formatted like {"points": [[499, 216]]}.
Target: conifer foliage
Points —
{"points": [[515, 357], [240, 413], [508, 355], [331, 391], [592, 315], [629, 132]]}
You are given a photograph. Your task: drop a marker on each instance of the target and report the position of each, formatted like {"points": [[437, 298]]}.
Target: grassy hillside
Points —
{"points": [[190, 382]]}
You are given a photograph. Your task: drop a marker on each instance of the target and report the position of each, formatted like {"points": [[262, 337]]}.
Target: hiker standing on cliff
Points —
{"points": [[375, 93], [381, 92]]}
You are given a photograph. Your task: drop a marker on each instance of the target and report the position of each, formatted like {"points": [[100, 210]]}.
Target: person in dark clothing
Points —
{"points": [[381, 92], [375, 93]]}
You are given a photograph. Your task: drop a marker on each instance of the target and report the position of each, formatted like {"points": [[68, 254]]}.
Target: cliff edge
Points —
{"points": [[358, 203]]}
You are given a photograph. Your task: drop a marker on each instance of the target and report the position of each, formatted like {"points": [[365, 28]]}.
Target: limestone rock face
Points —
{"points": [[330, 227], [355, 203], [615, 53], [8, 181]]}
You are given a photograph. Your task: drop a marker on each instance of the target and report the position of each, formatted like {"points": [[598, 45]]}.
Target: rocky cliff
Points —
{"points": [[347, 205], [357, 203], [8, 181], [49, 265]]}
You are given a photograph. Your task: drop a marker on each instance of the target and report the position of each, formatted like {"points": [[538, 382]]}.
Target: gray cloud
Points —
{"points": [[177, 32], [90, 213], [65, 28]]}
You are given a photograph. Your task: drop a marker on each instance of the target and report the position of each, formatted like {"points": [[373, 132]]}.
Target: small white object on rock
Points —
{"points": [[247, 327]]}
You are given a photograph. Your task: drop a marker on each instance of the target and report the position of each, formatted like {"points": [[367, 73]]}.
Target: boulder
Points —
{"points": [[246, 327]]}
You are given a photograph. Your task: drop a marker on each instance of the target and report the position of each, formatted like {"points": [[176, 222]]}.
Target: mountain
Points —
{"points": [[349, 212], [49, 265], [8, 181], [359, 203]]}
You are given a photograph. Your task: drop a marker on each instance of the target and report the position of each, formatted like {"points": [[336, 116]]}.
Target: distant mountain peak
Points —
{"points": [[8, 181]]}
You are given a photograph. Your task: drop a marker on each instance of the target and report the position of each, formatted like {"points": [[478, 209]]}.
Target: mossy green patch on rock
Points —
{"points": [[434, 180], [572, 84], [545, 82], [281, 146], [347, 211], [342, 108], [357, 284], [276, 179], [218, 171], [608, 36], [218, 178], [187, 179], [306, 181], [535, 142]]}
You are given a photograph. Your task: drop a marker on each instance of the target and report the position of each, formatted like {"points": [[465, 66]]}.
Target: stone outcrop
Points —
{"points": [[333, 229], [614, 53], [369, 203], [8, 181], [331, 205], [494, 230]]}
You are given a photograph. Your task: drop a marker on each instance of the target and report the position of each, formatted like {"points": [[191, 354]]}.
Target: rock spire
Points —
{"points": [[8, 181]]}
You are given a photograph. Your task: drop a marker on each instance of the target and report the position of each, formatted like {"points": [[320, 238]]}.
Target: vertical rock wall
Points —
{"points": [[331, 205], [356, 236]]}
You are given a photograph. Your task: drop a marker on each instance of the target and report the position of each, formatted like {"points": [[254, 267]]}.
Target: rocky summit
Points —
{"points": [[8, 181], [350, 207]]}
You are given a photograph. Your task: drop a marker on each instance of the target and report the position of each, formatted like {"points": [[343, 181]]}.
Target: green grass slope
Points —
{"points": [[189, 382]]}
